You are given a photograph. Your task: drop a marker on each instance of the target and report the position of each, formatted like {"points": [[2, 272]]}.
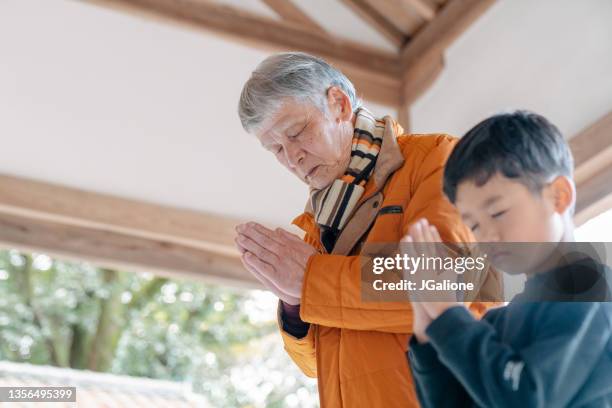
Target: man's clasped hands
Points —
{"points": [[278, 259]]}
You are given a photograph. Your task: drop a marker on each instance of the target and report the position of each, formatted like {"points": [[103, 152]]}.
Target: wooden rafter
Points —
{"points": [[422, 7], [594, 196], [123, 251], [380, 76], [116, 231], [368, 67], [372, 16], [287, 10], [592, 151], [399, 14], [592, 148], [454, 18], [422, 58]]}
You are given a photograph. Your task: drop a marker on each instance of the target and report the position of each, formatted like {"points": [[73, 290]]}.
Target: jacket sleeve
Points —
{"points": [[567, 343], [331, 294], [428, 201], [435, 385], [301, 350]]}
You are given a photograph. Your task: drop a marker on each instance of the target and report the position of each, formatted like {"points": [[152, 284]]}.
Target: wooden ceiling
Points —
{"points": [[420, 30], [117, 232]]}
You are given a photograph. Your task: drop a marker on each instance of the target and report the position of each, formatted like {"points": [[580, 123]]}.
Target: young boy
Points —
{"points": [[510, 177]]}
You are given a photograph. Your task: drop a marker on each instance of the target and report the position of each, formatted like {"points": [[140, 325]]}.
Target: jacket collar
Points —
{"points": [[390, 158]]}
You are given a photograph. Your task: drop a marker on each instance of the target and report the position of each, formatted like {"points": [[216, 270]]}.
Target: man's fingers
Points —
{"points": [[273, 236], [260, 251], [261, 235], [290, 236], [262, 267], [248, 263], [259, 276], [240, 247], [263, 272], [274, 240]]}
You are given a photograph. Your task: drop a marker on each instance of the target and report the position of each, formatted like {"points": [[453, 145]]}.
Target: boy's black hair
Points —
{"points": [[521, 145]]}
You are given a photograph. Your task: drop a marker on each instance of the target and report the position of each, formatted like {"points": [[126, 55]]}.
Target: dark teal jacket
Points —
{"points": [[527, 354]]}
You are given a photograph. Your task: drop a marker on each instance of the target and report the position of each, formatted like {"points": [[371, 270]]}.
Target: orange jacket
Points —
{"points": [[357, 349]]}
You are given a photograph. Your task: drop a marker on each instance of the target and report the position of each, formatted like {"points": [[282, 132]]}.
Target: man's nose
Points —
{"points": [[294, 155]]}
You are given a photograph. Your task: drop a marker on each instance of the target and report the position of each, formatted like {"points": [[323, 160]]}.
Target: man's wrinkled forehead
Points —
{"points": [[285, 116], [276, 120], [271, 127]]}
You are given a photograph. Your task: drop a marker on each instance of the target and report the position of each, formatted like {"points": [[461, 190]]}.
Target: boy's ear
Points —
{"points": [[563, 194]]}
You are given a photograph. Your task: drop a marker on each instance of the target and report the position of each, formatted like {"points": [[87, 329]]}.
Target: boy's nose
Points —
{"points": [[490, 235]]}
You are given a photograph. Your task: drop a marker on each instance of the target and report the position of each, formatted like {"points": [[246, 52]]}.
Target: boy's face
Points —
{"points": [[506, 211]]}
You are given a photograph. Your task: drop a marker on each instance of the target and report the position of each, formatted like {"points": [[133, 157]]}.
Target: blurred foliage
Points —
{"points": [[223, 341]]}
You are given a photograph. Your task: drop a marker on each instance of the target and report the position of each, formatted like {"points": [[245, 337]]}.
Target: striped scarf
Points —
{"points": [[334, 204]]}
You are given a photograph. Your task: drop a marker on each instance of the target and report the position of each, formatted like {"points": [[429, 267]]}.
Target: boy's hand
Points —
{"points": [[435, 309], [420, 323], [424, 239]]}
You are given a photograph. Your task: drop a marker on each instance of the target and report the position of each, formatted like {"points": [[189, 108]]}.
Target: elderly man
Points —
{"points": [[368, 183]]}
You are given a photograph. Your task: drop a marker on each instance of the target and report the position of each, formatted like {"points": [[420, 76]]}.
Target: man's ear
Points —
{"points": [[339, 104], [563, 193]]}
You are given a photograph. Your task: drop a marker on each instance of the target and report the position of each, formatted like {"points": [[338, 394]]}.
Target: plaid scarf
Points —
{"points": [[334, 204]]}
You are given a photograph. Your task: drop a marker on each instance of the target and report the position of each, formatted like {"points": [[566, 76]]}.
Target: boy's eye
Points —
{"points": [[474, 227], [498, 214]]}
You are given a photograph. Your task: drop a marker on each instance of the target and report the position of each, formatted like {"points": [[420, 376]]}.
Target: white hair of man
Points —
{"points": [[296, 75]]}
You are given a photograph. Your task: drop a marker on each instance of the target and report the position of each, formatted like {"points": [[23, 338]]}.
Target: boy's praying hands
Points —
{"points": [[424, 239]]}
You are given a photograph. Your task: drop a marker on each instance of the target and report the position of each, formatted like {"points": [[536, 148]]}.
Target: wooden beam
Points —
{"points": [[373, 17], [592, 148], [111, 231], [594, 196], [421, 77], [70, 206], [592, 151], [121, 251], [403, 118], [422, 8], [454, 18], [374, 88], [422, 56], [274, 35], [287, 10], [398, 13]]}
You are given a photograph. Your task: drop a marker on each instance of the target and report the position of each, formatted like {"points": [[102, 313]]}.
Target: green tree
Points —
{"points": [[71, 314]]}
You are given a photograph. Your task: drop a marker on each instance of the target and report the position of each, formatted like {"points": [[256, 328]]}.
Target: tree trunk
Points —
{"points": [[110, 321]]}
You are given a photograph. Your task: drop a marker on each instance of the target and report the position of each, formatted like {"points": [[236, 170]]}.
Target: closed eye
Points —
{"points": [[298, 133], [474, 227], [498, 214]]}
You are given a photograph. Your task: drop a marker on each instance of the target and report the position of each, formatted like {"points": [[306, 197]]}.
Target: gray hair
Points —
{"points": [[289, 75]]}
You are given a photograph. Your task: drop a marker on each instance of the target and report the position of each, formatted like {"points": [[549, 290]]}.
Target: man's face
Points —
{"points": [[506, 211], [312, 145]]}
